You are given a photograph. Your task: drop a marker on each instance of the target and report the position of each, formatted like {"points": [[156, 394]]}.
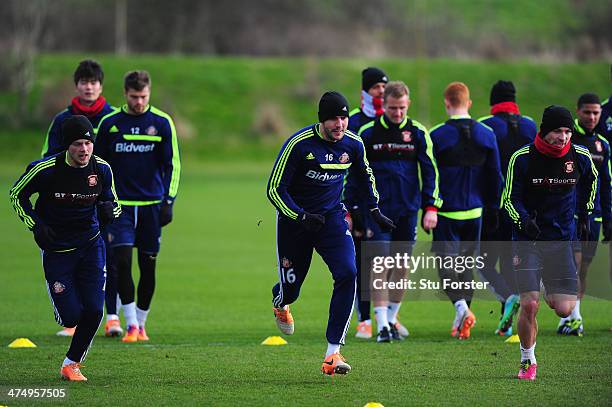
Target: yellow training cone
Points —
{"points": [[274, 340], [513, 339], [22, 343], [373, 404]]}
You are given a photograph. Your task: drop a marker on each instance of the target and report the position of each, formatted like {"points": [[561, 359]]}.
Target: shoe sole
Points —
{"points": [[113, 334], [337, 370], [342, 369], [66, 378], [285, 328], [563, 330], [568, 331], [529, 379], [363, 336], [70, 380]]}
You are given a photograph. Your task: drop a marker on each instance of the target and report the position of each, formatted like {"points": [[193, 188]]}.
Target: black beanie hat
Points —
{"points": [[332, 104], [555, 117], [371, 76], [77, 127], [588, 99], [502, 91]]}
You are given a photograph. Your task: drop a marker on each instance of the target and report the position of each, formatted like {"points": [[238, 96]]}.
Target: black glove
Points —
{"points": [[357, 220], [607, 232], [105, 213], [43, 235], [312, 222], [386, 224], [531, 228], [165, 214], [584, 228], [490, 220]]}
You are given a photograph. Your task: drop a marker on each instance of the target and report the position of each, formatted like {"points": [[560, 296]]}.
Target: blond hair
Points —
{"points": [[396, 89]]}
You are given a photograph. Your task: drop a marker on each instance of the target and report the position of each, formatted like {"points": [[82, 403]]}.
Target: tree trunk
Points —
{"points": [[28, 17], [121, 44]]}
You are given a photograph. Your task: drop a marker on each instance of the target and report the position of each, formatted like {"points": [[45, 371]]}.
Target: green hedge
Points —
{"points": [[242, 108]]}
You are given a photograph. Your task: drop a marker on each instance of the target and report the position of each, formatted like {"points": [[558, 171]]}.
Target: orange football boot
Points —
{"points": [[454, 331], [335, 364], [284, 320], [467, 323], [113, 328], [131, 335], [364, 330], [142, 334], [73, 373]]}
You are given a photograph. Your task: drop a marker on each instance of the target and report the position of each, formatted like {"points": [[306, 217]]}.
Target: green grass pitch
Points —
{"points": [[212, 309]]}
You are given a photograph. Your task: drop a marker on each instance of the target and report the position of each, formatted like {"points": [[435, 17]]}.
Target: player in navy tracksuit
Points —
{"points": [[549, 183], [305, 187], [512, 131], [588, 113], [605, 122], [76, 197], [396, 148], [605, 129], [373, 81], [88, 80], [470, 184], [140, 142]]}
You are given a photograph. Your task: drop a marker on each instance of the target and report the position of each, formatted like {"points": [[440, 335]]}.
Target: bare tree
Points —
{"points": [[27, 19], [121, 10], [372, 29]]}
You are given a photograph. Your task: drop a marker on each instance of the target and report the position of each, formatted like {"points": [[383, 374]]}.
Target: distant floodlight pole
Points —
{"points": [[121, 46]]}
